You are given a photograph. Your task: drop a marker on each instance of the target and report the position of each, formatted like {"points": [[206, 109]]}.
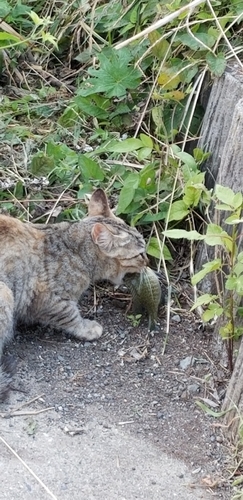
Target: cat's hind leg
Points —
{"points": [[6, 332], [64, 315]]}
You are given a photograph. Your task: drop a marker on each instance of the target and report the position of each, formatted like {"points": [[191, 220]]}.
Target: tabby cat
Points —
{"points": [[44, 269]]}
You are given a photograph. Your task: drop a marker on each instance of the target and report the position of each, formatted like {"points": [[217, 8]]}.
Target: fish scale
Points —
{"points": [[146, 293]]}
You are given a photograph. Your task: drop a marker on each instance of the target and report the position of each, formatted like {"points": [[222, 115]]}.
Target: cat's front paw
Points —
{"points": [[91, 330]]}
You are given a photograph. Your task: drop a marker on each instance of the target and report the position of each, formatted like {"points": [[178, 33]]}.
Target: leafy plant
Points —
{"points": [[227, 302], [135, 319]]}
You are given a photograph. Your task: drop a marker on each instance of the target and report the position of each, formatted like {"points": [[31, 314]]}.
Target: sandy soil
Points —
{"points": [[114, 419]]}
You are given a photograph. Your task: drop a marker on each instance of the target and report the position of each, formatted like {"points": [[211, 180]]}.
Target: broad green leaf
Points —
{"points": [[90, 169], [221, 206], [216, 63], [237, 201], [5, 9], [216, 236], [161, 48], [115, 76], [127, 192], [147, 141], [8, 37], [199, 155], [154, 248], [169, 79], [203, 300], [182, 233], [238, 268], [173, 95], [42, 164], [240, 257], [227, 331], [208, 267], [224, 194], [161, 215], [233, 219], [187, 159], [192, 196], [144, 153], [90, 107], [147, 176], [214, 311], [188, 40], [179, 210], [230, 283], [233, 283], [126, 146]]}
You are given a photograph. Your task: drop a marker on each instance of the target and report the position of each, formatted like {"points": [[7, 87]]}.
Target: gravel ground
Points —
{"points": [[113, 403]]}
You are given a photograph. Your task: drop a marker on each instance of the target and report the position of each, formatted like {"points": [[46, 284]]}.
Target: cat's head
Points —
{"points": [[122, 245]]}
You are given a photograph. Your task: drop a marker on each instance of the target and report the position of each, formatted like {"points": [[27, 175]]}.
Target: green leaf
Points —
{"points": [[226, 331], [161, 48], [216, 236], [147, 141], [42, 164], [90, 168], [238, 268], [235, 283], [127, 192], [115, 76], [5, 9], [92, 106], [187, 159], [182, 233], [192, 196], [225, 194], [169, 78], [38, 21], [213, 265], [179, 210], [154, 248], [126, 146], [144, 153], [233, 219], [216, 63], [8, 37], [208, 410], [203, 300], [214, 311], [47, 37]]}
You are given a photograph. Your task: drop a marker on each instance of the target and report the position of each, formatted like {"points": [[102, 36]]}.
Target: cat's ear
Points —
{"points": [[109, 242], [99, 205]]}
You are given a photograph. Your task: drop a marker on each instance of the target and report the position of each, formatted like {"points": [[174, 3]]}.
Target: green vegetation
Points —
{"points": [[228, 269], [108, 94]]}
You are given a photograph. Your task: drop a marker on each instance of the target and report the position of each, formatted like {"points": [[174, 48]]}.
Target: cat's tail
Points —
{"points": [[6, 371]]}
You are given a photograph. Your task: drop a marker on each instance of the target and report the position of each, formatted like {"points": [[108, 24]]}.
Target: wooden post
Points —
{"points": [[222, 135]]}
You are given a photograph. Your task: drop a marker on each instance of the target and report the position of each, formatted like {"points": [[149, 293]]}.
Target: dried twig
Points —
{"points": [[9, 414], [28, 468]]}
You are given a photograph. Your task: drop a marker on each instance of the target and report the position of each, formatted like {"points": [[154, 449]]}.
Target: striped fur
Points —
{"points": [[44, 269]]}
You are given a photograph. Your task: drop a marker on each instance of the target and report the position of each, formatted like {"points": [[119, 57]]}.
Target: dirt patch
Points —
{"points": [[123, 380]]}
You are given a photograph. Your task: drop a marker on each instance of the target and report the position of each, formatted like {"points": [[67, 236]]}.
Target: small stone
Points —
{"points": [[219, 439], [186, 362], [212, 438], [193, 388], [160, 414], [176, 318]]}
